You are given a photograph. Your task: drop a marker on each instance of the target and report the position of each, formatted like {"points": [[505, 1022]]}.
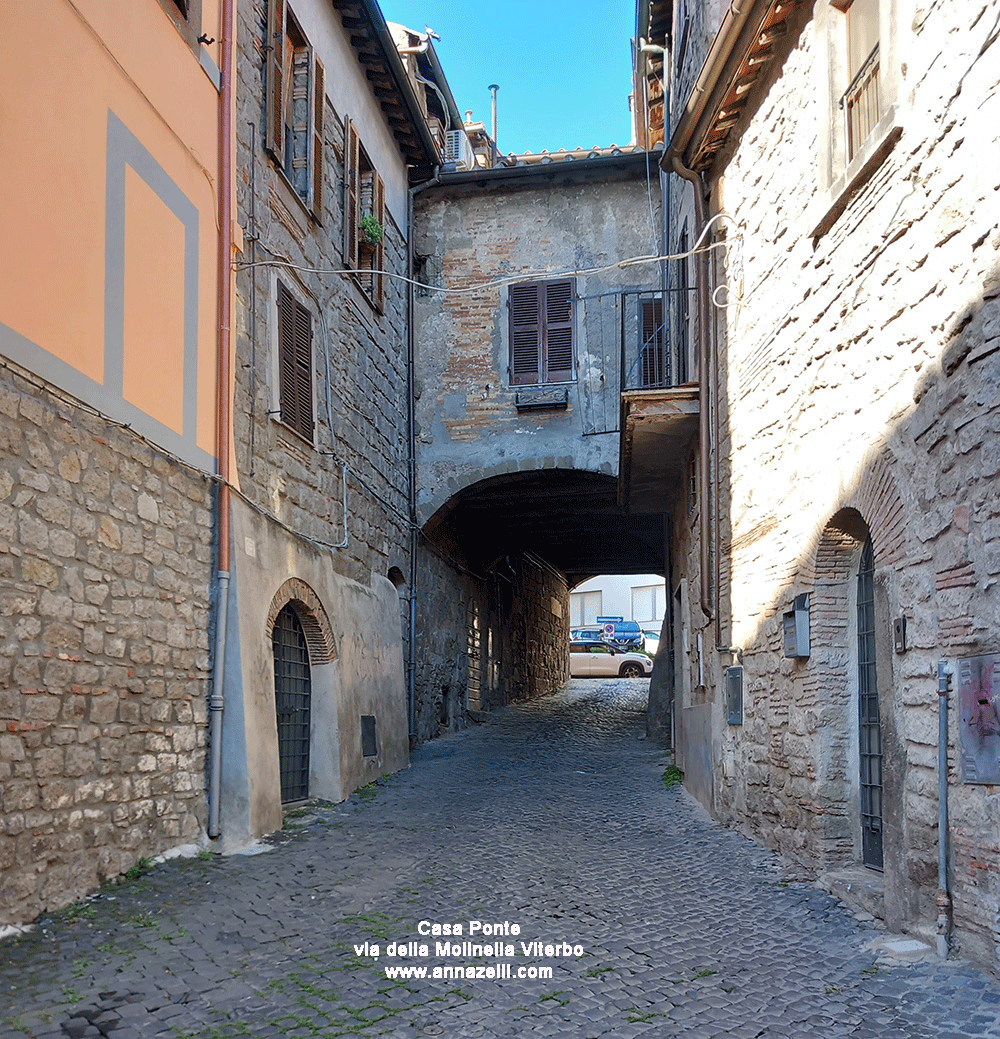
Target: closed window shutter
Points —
{"points": [[286, 354], [275, 114], [652, 341], [319, 111], [352, 162], [303, 371], [525, 334], [558, 330], [378, 260], [295, 363]]}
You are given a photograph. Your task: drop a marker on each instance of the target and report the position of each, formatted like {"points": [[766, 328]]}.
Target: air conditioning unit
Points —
{"points": [[458, 149]]}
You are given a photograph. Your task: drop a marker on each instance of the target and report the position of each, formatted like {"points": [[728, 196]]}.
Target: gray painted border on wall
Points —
{"points": [[124, 149]]}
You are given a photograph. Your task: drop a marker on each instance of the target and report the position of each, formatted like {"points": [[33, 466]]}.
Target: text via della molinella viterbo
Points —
{"points": [[469, 949]]}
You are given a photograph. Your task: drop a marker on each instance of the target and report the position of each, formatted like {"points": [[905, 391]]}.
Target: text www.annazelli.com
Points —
{"points": [[493, 972]]}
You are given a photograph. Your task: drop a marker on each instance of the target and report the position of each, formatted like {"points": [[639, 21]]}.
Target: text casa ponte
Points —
{"points": [[425, 928]]}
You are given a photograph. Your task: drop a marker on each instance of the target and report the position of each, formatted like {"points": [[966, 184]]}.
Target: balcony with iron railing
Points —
{"points": [[658, 403]]}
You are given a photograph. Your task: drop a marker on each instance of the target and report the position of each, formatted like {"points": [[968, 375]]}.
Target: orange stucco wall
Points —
{"points": [[77, 251]]}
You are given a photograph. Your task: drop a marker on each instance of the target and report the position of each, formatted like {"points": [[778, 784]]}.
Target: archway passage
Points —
{"points": [[523, 539], [570, 518], [292, 695]]}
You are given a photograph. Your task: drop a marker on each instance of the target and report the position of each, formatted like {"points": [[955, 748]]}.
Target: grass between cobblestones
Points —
{"points": [[208, 955]]}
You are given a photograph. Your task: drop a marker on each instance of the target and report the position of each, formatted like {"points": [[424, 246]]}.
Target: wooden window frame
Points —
{"points": [[542, 330], [364, 194], [297, 153], [294, 338]]}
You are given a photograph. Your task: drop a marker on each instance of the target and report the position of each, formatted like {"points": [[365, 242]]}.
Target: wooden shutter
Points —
{"points": [[275, 102], [352, 163], [525, 334], [651, 346], [286, 354], [295, 363], [378, 259], [558, 337], [319, 111], [303, 371]]}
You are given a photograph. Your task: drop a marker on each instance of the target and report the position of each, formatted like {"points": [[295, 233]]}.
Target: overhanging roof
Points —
{"points": [[376, 50], [743, 49]]}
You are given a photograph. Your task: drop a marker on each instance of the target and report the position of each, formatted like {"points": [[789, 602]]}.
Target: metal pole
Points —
{"points": [[494, 87], [943, 897]]}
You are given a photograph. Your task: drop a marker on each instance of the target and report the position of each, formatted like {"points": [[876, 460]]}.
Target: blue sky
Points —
{"points": [[564, 68]]}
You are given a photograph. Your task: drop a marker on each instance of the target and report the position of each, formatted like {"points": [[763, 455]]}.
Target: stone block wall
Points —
{"points": [[533, 632], [444, 595], [105, 570], [359, 354], [859, 372]]}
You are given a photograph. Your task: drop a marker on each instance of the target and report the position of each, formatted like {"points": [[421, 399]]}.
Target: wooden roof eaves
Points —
{"points": [[735, 62], [378, 56]]}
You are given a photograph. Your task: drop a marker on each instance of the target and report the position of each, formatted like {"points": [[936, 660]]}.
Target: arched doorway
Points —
{"points": [[292, 696], [869, 722]]}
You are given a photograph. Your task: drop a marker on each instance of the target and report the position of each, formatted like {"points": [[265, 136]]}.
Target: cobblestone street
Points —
{"points": [[553, 819]]}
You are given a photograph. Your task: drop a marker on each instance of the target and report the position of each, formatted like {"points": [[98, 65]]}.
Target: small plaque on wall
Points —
{"points": [[979, 718]]}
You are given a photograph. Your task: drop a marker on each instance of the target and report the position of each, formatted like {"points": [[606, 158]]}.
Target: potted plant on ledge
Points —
{"points": [[370, 231]]}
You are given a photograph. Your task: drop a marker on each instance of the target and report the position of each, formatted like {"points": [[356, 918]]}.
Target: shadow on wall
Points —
{"points": [[925, 496]]}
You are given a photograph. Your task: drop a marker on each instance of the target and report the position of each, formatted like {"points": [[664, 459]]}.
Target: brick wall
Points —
{"points": [[106, 559], [859, 373]]}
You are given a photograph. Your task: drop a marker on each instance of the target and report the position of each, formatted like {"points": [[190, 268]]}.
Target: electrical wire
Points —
{"points": [[635, 261]]}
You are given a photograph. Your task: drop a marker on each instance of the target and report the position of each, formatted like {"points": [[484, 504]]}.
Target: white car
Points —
{"points": [[601, 659], [651, 640]]}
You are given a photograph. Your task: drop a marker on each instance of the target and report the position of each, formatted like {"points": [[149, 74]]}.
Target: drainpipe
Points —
{"points": [[943, 897], [411, 448], [704, 339], [223, 413]]}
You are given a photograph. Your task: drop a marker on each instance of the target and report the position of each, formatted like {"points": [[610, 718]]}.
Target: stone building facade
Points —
{"points": [[852, 338], [321, 515], [517, 463], [106, 471]]}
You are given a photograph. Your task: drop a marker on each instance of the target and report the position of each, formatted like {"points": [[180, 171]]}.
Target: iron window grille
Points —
{"points": [[292, 702], [861, 105], [869, 721]]}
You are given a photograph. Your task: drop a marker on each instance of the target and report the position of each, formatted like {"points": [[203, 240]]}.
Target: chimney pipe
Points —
{"points": [[494, 87]]}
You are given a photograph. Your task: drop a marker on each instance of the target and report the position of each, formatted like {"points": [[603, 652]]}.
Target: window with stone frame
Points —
{"points": [[858, 91], [295, 105], [364, 218], [860, 101], [295, 363], [542, 347]]}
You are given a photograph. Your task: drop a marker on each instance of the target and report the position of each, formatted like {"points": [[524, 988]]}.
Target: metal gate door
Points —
{"points": [[291, 704], [869, 728], [474, 655]]}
